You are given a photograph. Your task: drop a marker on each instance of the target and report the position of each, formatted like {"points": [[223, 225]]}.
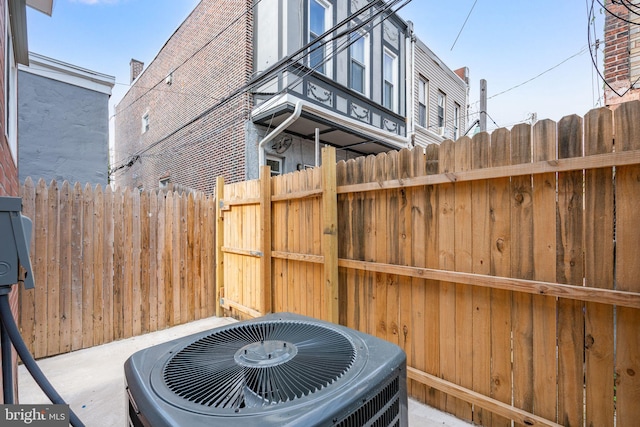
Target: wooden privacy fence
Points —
{"points": [[114, 264], [506, 265]]}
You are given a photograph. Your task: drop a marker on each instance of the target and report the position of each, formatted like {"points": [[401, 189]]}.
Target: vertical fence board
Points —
{"points": [[144, 282], [431, 321], [87, 267], [76, 268], [464, 263], [130, 304], [108, 271], [27, 297], [53, 266], [544, 248], [40, 270], [570, 271], [627, 137], [598, 245], [169, 284], [118, 265], [66, 201], [98, 267], [446, 261], [522, 268], [183, 261], [393, 249], [479, 247], [500, 243], [161, 319]]}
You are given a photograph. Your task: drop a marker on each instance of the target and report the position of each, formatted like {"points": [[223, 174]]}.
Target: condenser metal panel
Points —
{"points": [[278, 370]]}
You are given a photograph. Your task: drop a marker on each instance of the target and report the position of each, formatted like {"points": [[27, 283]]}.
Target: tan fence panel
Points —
{"points": [[100, 269]]}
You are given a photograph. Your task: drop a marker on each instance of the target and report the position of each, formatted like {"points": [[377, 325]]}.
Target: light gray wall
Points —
{"points": [[63, 131]]}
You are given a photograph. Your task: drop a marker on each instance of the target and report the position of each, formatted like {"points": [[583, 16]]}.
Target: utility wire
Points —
{"points": [[465, 23], [280, 65], [583, 50], [215, 37]]}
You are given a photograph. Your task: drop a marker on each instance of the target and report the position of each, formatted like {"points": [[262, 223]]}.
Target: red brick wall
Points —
{"points": [[207, 63], [617, 69]]}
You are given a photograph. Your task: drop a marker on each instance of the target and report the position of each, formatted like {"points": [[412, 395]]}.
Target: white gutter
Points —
{"points": [[277, 131]]}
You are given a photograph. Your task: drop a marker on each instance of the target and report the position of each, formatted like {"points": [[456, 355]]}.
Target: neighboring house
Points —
{"points": [[14, 45], [621, 53], [236, 86], [440, 98], [63, 122], [239, 85]]}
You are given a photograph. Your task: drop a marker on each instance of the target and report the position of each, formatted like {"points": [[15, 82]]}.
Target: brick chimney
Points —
{"points": [[136, 68], [621, 54]]}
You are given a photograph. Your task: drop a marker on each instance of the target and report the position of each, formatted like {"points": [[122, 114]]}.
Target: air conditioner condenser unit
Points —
{"points": [[278, 370]]}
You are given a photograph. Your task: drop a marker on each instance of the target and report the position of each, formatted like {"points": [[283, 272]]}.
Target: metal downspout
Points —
{"points": [[277, 131]]}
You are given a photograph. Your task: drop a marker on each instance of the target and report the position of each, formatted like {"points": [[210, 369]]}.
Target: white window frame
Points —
{"points": [[456, 121], [328, 23], [394, 81], [423, 98], [145, 122], [364, 36], [10, 91], [442, 107], [275, 160]]}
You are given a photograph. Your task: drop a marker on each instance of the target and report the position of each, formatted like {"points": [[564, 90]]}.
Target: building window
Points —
{"points": [[422, 102], [163, 183], [390, 75], [359, 50], [276, 165], [145, 122], [319, 22], [456, 121], [441, 108]]}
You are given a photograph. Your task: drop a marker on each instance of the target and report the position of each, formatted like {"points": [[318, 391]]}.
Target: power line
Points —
{"points": [[465, 23], [215, 37], [583, 50], [280, 65]]}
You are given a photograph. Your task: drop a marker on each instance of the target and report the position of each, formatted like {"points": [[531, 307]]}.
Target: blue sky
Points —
{"points": [[506, 42]]}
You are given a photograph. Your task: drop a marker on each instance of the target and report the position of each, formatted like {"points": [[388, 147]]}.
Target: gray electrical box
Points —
{"points": [[15, 235]]}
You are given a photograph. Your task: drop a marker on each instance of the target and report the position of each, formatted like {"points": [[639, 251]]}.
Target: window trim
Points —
{"points": [[145, 123], [327, 48], [279, 161], [424, 102], [362, 35], [456, 120], [10, 91], [442, 119], [394, 81]]}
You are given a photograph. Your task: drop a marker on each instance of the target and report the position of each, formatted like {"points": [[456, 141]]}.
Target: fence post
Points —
{"points": [[265, 237], [219, 243], [330, 233]]}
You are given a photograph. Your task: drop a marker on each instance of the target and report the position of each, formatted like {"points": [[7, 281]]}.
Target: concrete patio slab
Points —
{"points": [[92, 380]]}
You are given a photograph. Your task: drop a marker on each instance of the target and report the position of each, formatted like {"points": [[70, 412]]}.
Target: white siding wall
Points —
{"points": [[440, 78]]}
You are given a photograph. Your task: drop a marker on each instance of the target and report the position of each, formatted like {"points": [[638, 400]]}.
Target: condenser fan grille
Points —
{"points": [[259, 364]]}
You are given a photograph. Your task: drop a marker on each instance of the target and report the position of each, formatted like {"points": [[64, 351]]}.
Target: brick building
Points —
{"points": [[179, 121], [237, 85], [622, 52]]}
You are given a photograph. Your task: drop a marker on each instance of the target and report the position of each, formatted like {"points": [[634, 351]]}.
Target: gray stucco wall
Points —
{"points": [[63, 131]]}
